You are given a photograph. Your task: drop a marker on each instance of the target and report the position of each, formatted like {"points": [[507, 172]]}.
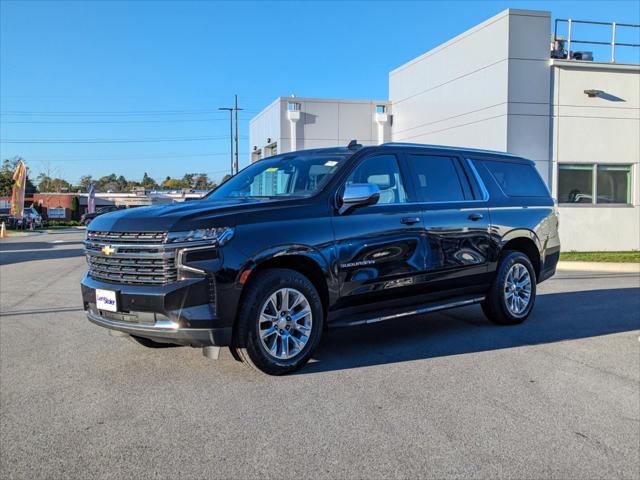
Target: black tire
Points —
{"points": [[247, 342], [495, 305]]}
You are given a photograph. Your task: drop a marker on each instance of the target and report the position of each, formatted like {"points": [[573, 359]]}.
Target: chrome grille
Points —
{"points": [[137, 258], [127, 237]]}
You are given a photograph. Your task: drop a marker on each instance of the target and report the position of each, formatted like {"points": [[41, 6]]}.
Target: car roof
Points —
{"points": [[494, 154]]}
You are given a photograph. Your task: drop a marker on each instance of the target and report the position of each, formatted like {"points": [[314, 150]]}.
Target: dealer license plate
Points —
{"points": [[106, 300]]}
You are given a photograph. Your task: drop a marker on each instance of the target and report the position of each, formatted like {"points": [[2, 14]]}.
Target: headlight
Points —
{"points": [[219, 235]]}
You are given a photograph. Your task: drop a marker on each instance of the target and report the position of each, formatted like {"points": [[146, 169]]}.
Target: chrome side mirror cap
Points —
{"points": [[358, 195]]}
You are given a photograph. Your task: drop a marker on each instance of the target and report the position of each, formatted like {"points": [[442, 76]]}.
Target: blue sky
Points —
{"points": [[89, 71]]}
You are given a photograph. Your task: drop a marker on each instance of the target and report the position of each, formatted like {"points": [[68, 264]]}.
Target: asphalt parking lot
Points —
{"points": [[443, 396]]}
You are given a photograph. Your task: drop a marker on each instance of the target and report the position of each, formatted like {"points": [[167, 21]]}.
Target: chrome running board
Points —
{"points": [[435, 307]]}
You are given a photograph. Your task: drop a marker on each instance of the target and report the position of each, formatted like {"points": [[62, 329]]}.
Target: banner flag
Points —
{"points": [[17, 194], [91, 200]]}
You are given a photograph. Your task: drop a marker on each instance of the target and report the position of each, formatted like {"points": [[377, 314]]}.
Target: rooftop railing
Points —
{"points": [[571, 41]]}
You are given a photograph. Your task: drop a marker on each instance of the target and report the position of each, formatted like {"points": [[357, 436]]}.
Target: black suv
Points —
{"points": [[87, 218], [332, 237]]}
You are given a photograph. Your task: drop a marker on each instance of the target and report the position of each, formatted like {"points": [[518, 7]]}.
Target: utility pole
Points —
{"points": [[230, 110], [235, 108]]}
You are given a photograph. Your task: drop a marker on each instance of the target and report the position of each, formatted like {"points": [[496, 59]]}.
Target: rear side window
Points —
{"points": [[517, 179], [437, 179]]}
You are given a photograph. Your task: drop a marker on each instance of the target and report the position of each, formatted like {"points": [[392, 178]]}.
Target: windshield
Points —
{"points": [[289, 175]]}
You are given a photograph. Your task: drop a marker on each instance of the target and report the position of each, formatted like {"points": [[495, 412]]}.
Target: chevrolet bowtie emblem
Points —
{"points": [[108, 250]]}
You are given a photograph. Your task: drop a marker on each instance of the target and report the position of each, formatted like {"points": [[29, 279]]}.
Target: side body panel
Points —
{"points": [[534, 218]]}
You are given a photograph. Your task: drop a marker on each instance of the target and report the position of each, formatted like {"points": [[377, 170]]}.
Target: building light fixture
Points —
{"points": [[593, 93]]}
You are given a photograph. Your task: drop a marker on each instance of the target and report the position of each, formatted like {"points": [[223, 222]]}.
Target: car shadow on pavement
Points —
{"points": [[556, 317], [8, 247], [28, 255]]}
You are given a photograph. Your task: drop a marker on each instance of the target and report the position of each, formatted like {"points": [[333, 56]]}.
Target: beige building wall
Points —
{"points": [[486, 88], [601, 130], [317, 123]]}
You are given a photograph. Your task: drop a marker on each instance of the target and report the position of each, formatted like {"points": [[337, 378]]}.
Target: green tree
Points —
{"points": [[48, 184], [108, 183], [75, 208], [174, 184], [131, 184], [85, 181], [149, 183]]}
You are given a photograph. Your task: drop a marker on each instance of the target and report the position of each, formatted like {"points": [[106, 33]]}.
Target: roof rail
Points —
{"points": [[354, 145], [447, 147]]}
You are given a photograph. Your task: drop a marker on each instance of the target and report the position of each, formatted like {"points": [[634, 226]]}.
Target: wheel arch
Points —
{"points": [[304, 260], [526, 242]]}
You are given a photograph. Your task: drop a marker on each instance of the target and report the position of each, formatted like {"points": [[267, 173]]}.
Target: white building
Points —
{"points": [[496, 86], [292, 123]]}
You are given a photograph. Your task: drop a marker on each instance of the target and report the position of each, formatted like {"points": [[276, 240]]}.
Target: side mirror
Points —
{"points": [[358, 195]]}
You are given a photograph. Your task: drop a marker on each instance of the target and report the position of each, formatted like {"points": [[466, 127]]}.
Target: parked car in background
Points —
{"points": [[329, 237], [86, 218], [30, 216], [6, 218]]}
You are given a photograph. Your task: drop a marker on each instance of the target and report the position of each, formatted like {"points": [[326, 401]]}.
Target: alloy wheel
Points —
{"points": [[285, 323], [517, 289]]}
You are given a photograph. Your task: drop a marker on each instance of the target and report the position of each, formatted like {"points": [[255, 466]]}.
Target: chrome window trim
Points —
{"points": [[483, 190]]}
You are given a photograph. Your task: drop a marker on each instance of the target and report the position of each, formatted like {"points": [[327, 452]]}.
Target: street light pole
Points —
{"points": [[235, 108], [230, 110]]}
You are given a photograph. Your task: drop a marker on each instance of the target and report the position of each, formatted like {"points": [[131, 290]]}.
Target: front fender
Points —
{"points": [[284, 254]]}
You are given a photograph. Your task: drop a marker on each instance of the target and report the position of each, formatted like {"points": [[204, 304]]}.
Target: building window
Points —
{"points": [[594, 184], [614, 184], [575, 183]]}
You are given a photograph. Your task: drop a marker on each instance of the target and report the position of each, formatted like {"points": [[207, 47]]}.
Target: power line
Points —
{"points": [[112, 140], [125, 157], [92, 122], [111, 113]]}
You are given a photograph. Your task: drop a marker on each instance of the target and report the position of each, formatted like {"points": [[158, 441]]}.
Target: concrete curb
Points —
{"points": [[600, 267]]}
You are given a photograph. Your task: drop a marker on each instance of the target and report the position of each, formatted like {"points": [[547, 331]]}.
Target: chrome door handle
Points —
{"points": [[475, 217], [409, 220]]}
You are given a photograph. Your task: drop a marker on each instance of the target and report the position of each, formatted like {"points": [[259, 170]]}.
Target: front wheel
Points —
{"points": [[280, 322], [513, 292]]}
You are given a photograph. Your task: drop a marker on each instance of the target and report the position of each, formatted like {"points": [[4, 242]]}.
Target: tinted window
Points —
{"points": [[383, 171], [437, 179], [287, 175], [517, 179]]}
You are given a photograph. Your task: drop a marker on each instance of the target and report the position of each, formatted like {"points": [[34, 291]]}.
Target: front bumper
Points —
{"points": [[179, 313]]}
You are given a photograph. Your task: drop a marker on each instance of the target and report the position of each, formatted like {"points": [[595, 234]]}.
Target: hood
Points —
{"points": [[177, 217]]}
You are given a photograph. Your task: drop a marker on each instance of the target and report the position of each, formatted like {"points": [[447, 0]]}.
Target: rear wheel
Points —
{"points": [[513, 292], [280, 322]]}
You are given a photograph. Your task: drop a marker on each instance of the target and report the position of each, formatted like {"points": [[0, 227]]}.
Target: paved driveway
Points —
{"points": [[447, 395]]}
